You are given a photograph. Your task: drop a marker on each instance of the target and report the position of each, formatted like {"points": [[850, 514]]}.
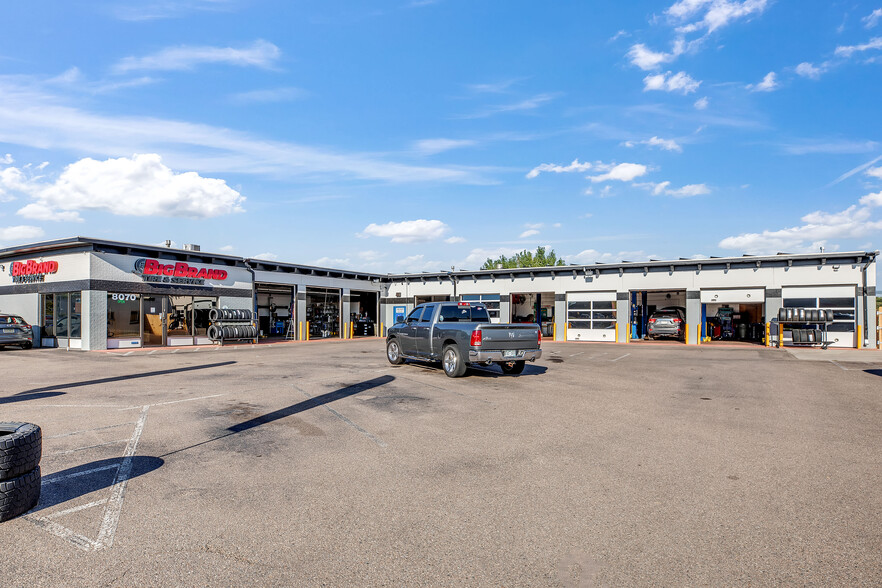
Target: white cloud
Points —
{"points": [[829, 146], [623, 172], [20, 233], [872, 200], [591, 256], [7, 159], [875, 172], [663, 188], [492, 88], [262, 54], [137, 186], [711, 15], [414, 231], [454, 240], [551, 167], [872, 19], [701, 103], [266, 256], [648, 60], [849, 50], [665, 144], [528, 233], [227, 248], [477, 257], [433, 146], [680, 82], [534, 225], [769, 84], [156, 9], [31, 116], [808, 70], [268, 96], [818, 228]]}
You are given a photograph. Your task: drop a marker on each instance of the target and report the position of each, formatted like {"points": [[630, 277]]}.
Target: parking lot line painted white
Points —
{"points": [[118, 491], [76, 539], [85, 448], [845, 369], [54, 478], [89, 430], [575, 354], [61, 513], [622, 357], [128, 353], [174, 401]]}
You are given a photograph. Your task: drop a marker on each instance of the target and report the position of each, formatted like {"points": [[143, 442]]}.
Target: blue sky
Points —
{"points": [[417, 135]]}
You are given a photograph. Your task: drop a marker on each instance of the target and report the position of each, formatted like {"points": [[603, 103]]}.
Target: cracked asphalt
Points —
{"points": [[319, 464]]}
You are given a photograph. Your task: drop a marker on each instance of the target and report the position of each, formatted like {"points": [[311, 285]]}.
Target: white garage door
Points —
{"points": [[734, 296], [591, 316]]}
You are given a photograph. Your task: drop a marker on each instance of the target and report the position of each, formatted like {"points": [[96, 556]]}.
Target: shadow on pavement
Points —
{"points": [[23, 397], [74, 482], [126, 377], [874, 372]]}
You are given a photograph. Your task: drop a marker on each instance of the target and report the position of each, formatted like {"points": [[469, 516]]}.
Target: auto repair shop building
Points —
{"points": [[96, 294]]}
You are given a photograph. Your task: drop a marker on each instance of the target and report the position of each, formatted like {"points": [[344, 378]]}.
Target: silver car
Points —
{"points": [[667, 322], [15, 331]]}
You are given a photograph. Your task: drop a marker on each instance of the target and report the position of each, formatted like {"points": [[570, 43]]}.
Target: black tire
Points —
{"points": [[393, 352], [513, 367], [21, 447], [213, 315], [19, 495], [452, 362]]}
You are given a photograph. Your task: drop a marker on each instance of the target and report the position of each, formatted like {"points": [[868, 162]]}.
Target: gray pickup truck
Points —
{"points": [[459, 334]]}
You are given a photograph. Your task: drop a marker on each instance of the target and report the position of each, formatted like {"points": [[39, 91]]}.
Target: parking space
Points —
{"points": [[321, 464]]}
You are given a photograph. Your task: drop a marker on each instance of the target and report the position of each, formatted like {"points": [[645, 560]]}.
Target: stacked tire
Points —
{"points": [[228, 324], [21, 448]]}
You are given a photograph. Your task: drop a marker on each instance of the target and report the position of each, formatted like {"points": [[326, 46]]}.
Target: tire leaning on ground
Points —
{"points": [[393, 352], [452, 362], [512, 367], [19, 495], [21, 447]]}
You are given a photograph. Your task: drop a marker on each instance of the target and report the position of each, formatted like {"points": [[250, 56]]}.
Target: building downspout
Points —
{"points": [[253, 287], [866, 320]]}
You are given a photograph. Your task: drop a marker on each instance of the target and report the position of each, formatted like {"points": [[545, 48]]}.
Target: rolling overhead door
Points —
{"points": [[591, 316], [842, 300], [734, 296]]}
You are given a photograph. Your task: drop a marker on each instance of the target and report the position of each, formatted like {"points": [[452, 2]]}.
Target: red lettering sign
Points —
{"points": [[33, 268], [152, 267]]}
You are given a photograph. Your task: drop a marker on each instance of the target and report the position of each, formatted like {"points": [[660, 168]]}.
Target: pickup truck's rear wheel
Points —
{"points": [[452, 362], [393, 352], [512, 367]]}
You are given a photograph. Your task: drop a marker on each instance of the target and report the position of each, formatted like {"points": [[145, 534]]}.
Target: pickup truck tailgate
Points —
{"points": [[509, 336]]}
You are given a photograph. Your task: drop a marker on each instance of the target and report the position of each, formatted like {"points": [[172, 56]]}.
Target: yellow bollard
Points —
{"points": [[300, 330], [617, 332], [307, 330], [381, 330], [554, 332], [687, 334], [860, 341], [352, 330], [780, 335], [768, 334]]}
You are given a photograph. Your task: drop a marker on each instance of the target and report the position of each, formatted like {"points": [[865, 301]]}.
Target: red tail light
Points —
{"points": [[540, 339], [476, 339], [676, 320], [651, 320]]}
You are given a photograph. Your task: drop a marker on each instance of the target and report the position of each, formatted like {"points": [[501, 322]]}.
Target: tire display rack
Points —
{"points": [[232, 324], [807, 316], [21, 449]]}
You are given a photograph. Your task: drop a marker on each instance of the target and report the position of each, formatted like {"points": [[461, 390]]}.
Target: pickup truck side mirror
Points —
{"points": [[399, 319]]}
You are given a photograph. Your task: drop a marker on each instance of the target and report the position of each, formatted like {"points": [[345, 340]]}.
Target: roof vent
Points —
{"points": [[191, 247], [168, 243]]}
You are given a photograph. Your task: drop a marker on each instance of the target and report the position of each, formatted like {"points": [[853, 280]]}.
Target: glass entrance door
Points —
{"points": [[153, 324]]}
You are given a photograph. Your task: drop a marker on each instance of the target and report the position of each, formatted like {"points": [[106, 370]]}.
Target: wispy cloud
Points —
{"points": [[648, 60], [664, 189], [528, 233], [415, 231], [558, 169], [20, 233], [268, 96], [769, 84], [849, 50], [159, 9], [525, 105], [261, 54], [854, 171], [828, 146], [493, 87], [435, 146], [701, 103], [664, 144], [809, 70], [30, 116], [680, 82], [711, 15], [872, 19], [622, 172]]}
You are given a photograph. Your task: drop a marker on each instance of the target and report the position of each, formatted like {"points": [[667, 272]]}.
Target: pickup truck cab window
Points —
{"points": [[463, 314], [414, 315], [428, 311]]}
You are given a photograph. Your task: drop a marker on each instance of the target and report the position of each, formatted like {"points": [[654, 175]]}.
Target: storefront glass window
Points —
{"points": [[76, 309], [123, 316], [179, 318], [48, 305], [62, 322]]}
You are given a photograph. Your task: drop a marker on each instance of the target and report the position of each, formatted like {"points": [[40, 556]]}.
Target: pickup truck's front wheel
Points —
{"points": [[393, 352], [512, 367], [451, 360]]}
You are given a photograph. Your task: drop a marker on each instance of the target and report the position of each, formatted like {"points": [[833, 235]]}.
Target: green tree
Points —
{"points": [[525, 259]]}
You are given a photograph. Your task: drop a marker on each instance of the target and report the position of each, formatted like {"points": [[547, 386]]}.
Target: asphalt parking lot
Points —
{"points": [[319, 464]]}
